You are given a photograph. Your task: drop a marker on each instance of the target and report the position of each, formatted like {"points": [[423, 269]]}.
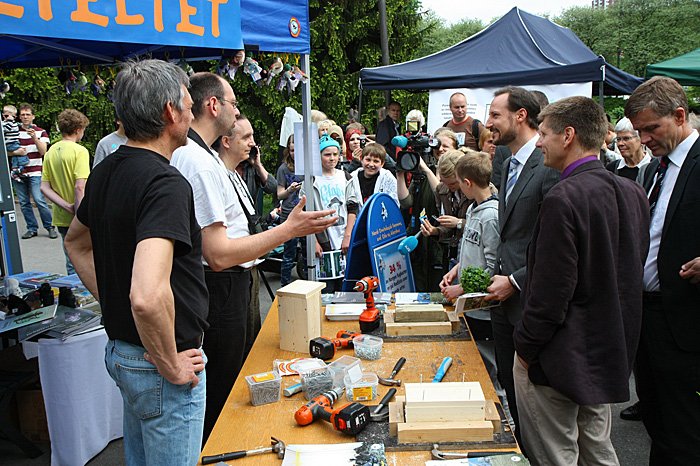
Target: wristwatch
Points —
{"points": [[460, 224]]}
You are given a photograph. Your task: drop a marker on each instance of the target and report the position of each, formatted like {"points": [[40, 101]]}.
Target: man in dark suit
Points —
{"points": [[525, 181], [388, 128], [668, 364], [580, 326]]}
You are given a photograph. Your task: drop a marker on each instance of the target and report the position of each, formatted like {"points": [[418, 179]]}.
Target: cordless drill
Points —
{"points": [[349, 419], [369, 319], [324, 348]]}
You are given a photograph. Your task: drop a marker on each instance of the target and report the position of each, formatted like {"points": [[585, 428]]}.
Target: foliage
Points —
{"points": [[438, 37], [634, 33], [474, 280], [41, 88]]}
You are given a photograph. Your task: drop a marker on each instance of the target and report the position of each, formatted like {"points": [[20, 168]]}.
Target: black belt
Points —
{"points": [[236, 269], [189, 344]]}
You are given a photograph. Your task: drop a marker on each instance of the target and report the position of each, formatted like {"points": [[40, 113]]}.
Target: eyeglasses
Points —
{"points": [[625, 138], [234, 103]]}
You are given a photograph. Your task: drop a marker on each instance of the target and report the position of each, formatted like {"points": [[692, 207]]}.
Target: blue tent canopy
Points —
{"points": [[518, 49], [209, 30]]}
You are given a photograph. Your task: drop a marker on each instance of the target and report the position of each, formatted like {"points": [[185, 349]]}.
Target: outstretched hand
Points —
{"points": [[304, 223]]}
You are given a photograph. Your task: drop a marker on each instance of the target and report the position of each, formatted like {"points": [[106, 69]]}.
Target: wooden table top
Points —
{"points": [[242, 426]]}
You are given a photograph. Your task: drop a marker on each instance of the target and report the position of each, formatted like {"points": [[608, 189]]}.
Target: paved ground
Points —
{"points": [[41, 253]]}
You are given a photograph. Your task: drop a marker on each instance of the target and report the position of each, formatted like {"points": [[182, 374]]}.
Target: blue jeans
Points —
{"points": [[162, 422], [31, 185], [289, 257], [70, 270]]}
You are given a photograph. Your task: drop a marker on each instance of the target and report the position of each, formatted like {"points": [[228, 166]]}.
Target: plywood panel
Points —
{"points": [[467, 431]]}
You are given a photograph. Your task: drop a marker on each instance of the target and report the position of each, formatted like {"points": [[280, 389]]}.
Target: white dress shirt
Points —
{"points": [[676, 159]]}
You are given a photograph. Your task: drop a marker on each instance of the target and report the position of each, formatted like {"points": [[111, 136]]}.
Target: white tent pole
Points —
{"points": [[308, 161]]}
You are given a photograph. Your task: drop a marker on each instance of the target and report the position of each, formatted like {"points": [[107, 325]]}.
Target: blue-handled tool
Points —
{"points": [[442, 370]]}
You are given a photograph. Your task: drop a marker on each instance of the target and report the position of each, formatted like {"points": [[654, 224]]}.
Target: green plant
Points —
{"points": [[474, 280]]}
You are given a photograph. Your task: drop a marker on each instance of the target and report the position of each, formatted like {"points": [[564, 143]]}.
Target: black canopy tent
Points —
{"points": [[518, 49]]}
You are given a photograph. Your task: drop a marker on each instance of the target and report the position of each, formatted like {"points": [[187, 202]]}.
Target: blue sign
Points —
{"points": [[187, 23], [378, 230]]}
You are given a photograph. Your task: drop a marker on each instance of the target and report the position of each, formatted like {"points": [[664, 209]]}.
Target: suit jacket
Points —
{"points": [[386, 130], [517, 219], [680, 243], [502, 153], [583, 297]]}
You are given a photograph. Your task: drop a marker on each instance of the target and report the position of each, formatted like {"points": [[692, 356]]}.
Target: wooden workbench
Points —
{"points": [[242, 426]]}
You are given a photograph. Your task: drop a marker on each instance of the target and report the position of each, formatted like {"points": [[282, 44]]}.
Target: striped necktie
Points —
{"points": [[512, 176], [660, 174]]}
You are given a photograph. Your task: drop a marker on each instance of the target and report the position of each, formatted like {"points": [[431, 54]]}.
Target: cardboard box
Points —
{"points": [[32, 415]]}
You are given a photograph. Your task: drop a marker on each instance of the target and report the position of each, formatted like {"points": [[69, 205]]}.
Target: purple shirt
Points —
{"points": [[574, 165]]}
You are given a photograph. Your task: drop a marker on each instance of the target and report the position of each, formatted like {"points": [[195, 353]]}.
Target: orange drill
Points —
{"points": [[369, 319], [324, 348], [350, 419]]}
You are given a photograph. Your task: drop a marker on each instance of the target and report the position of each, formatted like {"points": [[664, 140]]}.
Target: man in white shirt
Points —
{"points": [[229, 249], [668, 360]]}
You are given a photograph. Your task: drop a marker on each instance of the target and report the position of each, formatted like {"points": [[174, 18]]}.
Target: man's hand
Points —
{"points": [[189, 363], [319, 250], [500, 289], [304, 223], [453, 292], [448, 221], [345, 245], [691, 271], [449, 278], [32, 132], [427, 229], [19, 152]]}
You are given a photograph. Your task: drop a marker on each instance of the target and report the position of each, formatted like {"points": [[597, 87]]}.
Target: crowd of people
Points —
{"points": [[595, 267]]}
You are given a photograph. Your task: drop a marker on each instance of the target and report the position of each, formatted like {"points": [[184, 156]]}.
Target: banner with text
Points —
{"points": [[187, 23]]}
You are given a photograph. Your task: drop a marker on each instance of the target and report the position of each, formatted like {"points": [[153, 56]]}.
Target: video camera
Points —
{"points": [[413, 146]]}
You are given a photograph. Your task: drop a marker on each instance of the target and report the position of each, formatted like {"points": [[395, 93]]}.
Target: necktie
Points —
{"points": [[512, 176], [660, 173]]}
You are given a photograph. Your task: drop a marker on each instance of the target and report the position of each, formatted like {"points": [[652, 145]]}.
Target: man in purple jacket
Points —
{"points": [[581, 322]]}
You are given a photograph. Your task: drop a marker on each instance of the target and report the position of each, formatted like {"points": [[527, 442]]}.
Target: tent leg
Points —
{"points": [[359, 106], [308, 162], [601, 95]]}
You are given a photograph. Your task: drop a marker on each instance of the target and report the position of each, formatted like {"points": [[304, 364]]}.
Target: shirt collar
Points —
{"points": [[678, 155], [524, 153], [575, 164], [645, 160]]}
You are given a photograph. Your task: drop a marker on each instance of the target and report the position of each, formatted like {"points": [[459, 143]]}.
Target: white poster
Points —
{"points": [[299, 149], [479, 100]]}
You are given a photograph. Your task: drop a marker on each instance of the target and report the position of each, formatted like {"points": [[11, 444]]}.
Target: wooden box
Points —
{"points": [[299, 314], [447, 401]]}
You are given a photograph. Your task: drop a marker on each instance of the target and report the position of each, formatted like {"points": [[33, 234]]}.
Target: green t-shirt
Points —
{"points": [[64, 163]]}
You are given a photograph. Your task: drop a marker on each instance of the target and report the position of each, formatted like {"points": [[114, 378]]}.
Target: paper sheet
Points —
{"points": [[340, 454]]}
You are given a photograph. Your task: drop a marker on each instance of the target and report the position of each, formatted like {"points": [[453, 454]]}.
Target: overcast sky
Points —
{"points": [[453, 11]]}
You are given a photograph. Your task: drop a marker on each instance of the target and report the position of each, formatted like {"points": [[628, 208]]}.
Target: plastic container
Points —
{"points": [[316, 381], [343, 366], [364, 389], [368, 347], [264, 388]]}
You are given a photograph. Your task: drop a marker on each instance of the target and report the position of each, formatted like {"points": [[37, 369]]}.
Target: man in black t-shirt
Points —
{"points": [[136, 245]]}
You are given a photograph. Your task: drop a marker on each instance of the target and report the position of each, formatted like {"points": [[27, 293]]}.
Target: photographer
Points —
{"points": [[452, 205], [418, 201]]}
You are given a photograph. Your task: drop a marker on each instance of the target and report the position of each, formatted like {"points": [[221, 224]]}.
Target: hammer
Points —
{"points": [[389, 381], [277, 446], [436, 454]]}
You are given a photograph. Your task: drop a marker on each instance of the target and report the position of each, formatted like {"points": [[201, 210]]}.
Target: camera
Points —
{"points": [[363, 141], [413, 147]]}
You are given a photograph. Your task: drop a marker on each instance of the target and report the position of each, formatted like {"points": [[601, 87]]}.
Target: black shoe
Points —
{"points": [[632, 413], [52, 233], [29, 234]]}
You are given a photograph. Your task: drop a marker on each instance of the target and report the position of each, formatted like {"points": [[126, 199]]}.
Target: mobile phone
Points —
{"points": [[434, 221]]}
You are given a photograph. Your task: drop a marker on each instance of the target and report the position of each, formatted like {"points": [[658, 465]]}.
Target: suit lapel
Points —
{"points": [[649, 174], [525, 176], [681, 181]]}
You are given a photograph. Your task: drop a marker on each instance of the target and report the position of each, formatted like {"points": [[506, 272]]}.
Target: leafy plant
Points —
{"points": [[474, 280]]}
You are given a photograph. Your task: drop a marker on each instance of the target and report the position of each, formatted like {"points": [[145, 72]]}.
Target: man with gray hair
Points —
{"points": [[578, 335], [668, 362], [136, 246]]}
